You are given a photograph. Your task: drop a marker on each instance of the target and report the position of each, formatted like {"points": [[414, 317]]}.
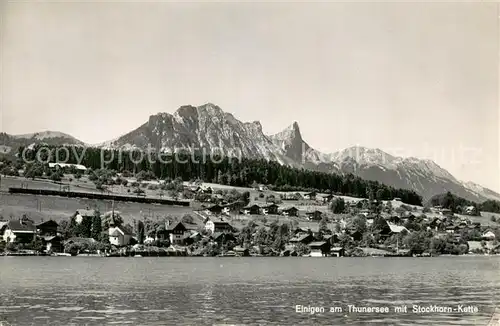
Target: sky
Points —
{"points": [[413, 79]]}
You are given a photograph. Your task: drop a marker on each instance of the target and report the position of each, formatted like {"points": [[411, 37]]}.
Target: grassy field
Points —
{"points": [[57, 208]]}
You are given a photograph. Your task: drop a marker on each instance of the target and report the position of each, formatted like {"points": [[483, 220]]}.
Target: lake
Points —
{"points": [[249, 291]]}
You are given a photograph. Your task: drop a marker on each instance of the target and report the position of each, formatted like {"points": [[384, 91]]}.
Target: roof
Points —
{"points": [[50, 238], [251, 206], [177, 226], [336, 248], [269, 206], [397, 228], [49, 222], [317, 244], [3, 223], [314, 212], [115, 233], [124, 229], [300, 237], [21, 226], [63, 165]]}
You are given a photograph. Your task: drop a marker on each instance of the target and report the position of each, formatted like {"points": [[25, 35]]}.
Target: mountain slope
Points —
{"points": [[210, 129], [423, 176], [206, 128], [9, 144]]}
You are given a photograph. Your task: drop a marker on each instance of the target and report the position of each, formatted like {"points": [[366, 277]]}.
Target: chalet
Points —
{"points": [[240, 251], [53, 243], [356, 235], [216, 226], [303, 238], [120, 235], [20, 231], [394, 219], [192, 237], [446, 212], [261, 188], [328, 198], [176, 233], [470, 210], [215, 209], [337, 252], [451, 229], [83, 213], [270, 209], [221, 237], [310, 196], [319, 248], [488, 236], [314, 215], [251, 209], [47, 228], [290, 211]]}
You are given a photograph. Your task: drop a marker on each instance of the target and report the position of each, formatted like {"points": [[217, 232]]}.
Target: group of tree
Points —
{"points": [[457, 204], [230, 171]]}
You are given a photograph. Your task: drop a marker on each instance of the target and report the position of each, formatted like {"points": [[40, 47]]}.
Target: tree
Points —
{"points": [[417, 242], [96, 226], [358, 224], [323, 225], [337, 205], [140, 232]]}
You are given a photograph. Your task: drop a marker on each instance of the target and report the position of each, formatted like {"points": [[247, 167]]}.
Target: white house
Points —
{"points": [[119, 235], [489, 235], [176, 233], [81, 213], [21, 231]]}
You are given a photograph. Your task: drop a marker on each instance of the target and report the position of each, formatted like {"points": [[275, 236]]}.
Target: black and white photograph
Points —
{"points": [[249, 163]]}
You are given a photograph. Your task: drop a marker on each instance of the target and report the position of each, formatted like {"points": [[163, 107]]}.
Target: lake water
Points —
{"points": [[249, 291]]}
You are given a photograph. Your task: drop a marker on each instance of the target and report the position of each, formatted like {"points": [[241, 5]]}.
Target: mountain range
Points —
{"points": [[210, 128]]}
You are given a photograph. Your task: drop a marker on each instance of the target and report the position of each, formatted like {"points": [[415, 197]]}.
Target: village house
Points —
{"points": [[319, 249], [84, 213], [120, 235], [47, 228], [337, 252], [290, 211], [222, 237], [488, 236], [304, 238], [328, 198], [314, 215], [470, 210], [251, 209], [310, 196], [216, 226], [52, 243], [19, 231], [261, 187], [215, 209], [270, 209], [176, 233]]}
